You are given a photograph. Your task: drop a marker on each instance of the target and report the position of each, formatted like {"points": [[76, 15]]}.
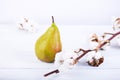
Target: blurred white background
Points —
{"points": [[73, 12]]}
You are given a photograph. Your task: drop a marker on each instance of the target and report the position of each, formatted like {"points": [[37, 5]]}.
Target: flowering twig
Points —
{"points": [[108, 40], [84, 52], [98, 47], [87, 51]]}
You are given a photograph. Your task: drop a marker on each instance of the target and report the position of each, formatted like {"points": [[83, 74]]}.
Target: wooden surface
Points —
{"points": [[18, 60]]}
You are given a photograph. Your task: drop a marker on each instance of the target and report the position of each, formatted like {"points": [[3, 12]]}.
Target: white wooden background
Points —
{"points": [[99, 12], [18, 60]]}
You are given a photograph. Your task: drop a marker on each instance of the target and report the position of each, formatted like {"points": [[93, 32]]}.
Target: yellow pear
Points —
{"points": [[48, 44]]}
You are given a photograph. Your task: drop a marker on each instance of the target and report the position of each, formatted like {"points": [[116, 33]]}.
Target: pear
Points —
{"points": [[48, 44]]}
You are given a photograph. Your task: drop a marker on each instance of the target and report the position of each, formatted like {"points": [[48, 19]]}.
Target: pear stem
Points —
{"points": [[52, 19]]}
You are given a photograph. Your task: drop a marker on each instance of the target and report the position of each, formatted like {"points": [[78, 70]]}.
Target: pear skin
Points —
{"points": [[48, 44]]}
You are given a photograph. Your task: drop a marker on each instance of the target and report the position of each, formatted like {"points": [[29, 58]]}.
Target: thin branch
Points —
{"points": [[80, 50], [101, 45], [86, 51], [108, 40], [114, 36], [109, 33], [55, 71]]}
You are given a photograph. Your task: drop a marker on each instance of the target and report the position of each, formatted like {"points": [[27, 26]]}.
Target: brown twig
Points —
{"points": [[80, 50], [108, 40], [55, 71], [106, 33], [109, 33], [86, 51], [100, 46]]}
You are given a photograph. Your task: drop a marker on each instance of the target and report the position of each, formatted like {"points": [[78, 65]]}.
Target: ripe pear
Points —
{"points": [[48, 44]]}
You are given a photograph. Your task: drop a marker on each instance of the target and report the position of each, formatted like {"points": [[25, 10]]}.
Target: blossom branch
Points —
{"points": [[84, 53], [98, 47], [87, 51], [108, 40]]}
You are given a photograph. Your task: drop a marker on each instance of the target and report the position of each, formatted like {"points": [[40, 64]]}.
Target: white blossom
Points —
{"points": [[90, 55], [59, 59], [65, 60], [68, 64], [95, 58], [95, 41], [98, 55], [116, 25], [27, 24], [93, 45], [116, 28]]}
